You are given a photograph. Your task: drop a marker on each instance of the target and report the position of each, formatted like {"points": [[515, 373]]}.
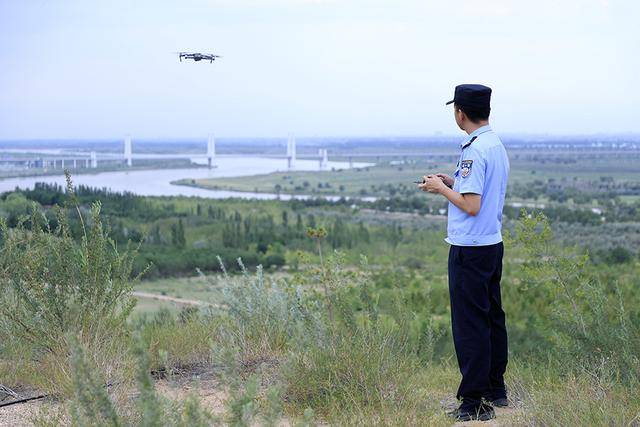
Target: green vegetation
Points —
{"points": [[355, 329], [182, 235], [185, 234], [54, 288]]}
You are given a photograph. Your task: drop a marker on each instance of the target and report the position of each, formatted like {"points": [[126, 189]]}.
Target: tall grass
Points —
{"points": [[178, 343], [368, 366]]}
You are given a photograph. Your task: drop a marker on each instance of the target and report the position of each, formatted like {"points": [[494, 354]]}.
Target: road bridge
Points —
{"points": [[74, 160]]}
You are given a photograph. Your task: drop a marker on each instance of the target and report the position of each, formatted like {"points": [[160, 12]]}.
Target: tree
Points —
{"points": [[177, 234], [299, 222]]}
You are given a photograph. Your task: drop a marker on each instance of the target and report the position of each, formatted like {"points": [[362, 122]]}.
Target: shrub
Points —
{"points": [[262, 318], [584, 319], [91, 404], [53, 287]]}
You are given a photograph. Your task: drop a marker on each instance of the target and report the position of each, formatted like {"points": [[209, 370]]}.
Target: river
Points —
{"points": [[157, 182]]}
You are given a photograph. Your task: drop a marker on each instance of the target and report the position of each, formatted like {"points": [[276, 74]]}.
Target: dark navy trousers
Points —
{"points": [[478, 322]]}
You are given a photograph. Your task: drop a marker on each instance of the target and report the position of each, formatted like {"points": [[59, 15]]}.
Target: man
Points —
{"points": [[476, 197]]}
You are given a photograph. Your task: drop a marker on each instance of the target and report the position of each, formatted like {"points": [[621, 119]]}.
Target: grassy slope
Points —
{"points": [[540, 394], [544, 396]]}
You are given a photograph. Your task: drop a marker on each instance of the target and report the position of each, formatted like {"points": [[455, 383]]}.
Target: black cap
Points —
{"points": [[475, 97]]}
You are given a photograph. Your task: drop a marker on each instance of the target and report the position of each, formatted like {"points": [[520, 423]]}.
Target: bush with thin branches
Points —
{"points": [[54, 285]]}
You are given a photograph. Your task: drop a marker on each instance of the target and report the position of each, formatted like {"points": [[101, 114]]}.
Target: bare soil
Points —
{"points": [[182, 301]]}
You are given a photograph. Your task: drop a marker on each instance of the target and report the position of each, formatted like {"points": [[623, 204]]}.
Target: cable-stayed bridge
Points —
{"points": [[90, 160]]}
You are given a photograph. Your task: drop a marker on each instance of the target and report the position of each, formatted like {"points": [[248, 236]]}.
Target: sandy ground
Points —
{"points": [[208, 390], [20, 415], [211, 396], [182, 301]]}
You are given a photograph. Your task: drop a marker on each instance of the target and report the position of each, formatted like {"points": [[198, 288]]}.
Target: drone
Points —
{"points": [[198, 56]]}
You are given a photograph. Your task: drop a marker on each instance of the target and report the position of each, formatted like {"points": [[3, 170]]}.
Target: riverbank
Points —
{"points": [[158, 181], [110, 166], [362, 181]]}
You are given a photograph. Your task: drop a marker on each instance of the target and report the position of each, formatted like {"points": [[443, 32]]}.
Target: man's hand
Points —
{"points": [[468, 202], [448, 181], [432, 184]]}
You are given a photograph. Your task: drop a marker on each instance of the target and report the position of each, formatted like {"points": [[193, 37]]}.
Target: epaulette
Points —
{"points": [[469, 143]]}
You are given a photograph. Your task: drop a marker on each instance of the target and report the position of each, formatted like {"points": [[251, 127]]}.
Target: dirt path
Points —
{"points": [[182, 301], [209, 392], [20, 415]]}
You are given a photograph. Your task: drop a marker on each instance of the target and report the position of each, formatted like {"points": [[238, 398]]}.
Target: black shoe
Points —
{"points": [[500, 402], [483, 413]]}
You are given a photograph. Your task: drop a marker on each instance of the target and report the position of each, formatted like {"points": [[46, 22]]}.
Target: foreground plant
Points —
{"points": [[579, 314], [56, 284]]}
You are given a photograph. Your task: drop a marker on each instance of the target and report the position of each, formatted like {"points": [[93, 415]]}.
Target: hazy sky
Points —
{"points": [[101, 69]]}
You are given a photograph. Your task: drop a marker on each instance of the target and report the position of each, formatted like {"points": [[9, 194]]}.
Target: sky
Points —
{"points": [[103, 69]]}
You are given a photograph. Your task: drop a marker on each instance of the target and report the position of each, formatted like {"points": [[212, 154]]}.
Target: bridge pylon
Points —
{"points": [[291, 151], [128, 152], [211, 150], [323, 158]]}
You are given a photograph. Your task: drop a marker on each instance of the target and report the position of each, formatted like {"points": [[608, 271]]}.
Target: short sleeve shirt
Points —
{"points": [[483, 169]]}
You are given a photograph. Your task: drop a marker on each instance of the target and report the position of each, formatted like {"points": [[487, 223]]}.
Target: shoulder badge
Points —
{"points": [[465, 168]]}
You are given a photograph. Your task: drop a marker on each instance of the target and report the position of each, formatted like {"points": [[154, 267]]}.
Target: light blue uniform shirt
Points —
{"points": [[483, 169]]}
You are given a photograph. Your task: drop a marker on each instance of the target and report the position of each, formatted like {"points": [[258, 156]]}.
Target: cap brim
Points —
{"points": [[450, 102]]}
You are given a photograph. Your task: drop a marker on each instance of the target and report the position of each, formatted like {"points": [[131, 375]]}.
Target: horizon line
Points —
{"points": [[316, 137]]}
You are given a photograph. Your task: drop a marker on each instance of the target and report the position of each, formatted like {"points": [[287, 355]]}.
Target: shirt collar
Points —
{"points": [[475, 133]]}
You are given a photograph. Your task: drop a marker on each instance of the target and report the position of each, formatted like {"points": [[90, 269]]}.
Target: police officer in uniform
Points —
{"points": [[476, 195]]}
